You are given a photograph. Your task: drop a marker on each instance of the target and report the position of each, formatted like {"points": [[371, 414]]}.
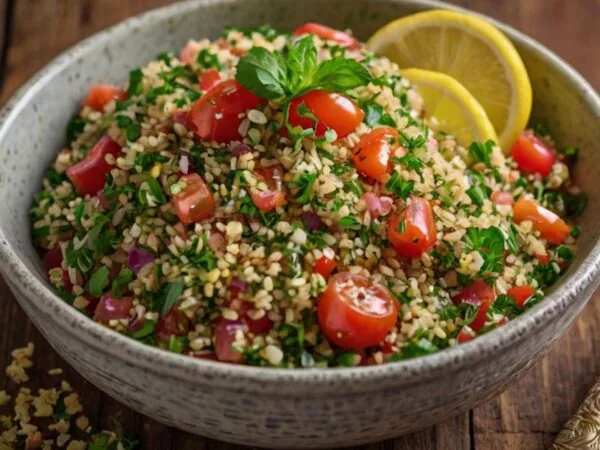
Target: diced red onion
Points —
{"points": [[216, 241], [311, 220], [378, 206], [103, 200], [238, 285], [138, 258], [181, 117], [184, 164], [240, 149]]}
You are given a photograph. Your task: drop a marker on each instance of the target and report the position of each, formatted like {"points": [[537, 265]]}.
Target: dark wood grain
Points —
{"points": [[526, 416]]}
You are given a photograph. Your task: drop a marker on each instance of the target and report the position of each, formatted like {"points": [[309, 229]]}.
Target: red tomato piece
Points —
{"points": [[215, 116], [328, 34], [209, 79], [480, 294], [53, 258], [521, 294], [174, 323], [502, 198], [100, 94], [355, 313], [466, 334], [543, 259], [268, 200], [224, 337], [195, 203], [325, 266], [412, 232], [532, 155], [89, 175], [371, 156], [254, 326], [331, 110], [110, 308], [551, 226]]}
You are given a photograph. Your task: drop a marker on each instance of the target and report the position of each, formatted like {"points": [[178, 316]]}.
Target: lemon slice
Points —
{"points": [[454, 109], [470, 50]]}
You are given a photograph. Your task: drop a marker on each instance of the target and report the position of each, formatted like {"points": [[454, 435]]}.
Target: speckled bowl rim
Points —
{"points": [[285, 381]]}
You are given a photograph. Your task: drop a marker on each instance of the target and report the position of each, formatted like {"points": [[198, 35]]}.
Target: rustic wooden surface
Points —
{"points": [[527, 416]]}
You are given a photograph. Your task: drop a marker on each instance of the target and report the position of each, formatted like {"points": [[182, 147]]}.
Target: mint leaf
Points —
{"points": [[98, 281], [301, 62], [264, 73], [340, 75]]}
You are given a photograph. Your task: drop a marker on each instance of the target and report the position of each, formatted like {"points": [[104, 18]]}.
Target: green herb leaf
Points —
{"points": [[350, 223], [207, 59], [264, 73], [74, 128], [304, 184], [489, 242], [135, 82], [341, 75], [170, 296], [399, 186], [146, 330], [121, 281], [301, 62], [98, 281]]}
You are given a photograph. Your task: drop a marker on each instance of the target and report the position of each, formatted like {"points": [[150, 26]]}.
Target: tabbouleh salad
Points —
{"points": [[278, 200]]}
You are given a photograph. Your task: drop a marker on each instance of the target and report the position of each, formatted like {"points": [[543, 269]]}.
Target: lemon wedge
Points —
{"points": [[470, 50], [451, 105]]}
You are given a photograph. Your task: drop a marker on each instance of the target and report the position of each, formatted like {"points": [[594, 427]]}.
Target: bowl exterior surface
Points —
{"points": [[273, 407]]}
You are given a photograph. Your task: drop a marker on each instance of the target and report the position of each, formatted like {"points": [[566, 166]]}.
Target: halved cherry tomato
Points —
{"points": [[327, 33], [521, 294], [324, 266], [225, 331], [355, 313], [466, 334], [480, 294], [273, 197], [215, 116], [89, 175], [195, 203], [412, 232], [502, 198], [100, 94], [371, 156], [209, 78], [53, 258], [550, 225], [174, 323], [331, 110], [532, 155]]}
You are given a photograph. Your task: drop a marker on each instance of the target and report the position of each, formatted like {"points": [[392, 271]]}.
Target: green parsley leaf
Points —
{"points": [[98, 281], [264, 73], [477, 194], [135, 82], [146, 330], [304, 184], [54, 178], [482, 152], [74, 128], [207, 59], [489, 242], [512, 242], [399, 186]]}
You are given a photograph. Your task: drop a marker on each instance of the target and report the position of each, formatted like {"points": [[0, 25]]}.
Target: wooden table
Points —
{"points": [[526, 416]]}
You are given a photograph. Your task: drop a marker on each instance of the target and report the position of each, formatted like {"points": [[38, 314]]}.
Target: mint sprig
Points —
{"points": [[272, 76]]}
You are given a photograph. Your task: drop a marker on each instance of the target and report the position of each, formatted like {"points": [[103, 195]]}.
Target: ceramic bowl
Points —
{"points": [[278, 407]]}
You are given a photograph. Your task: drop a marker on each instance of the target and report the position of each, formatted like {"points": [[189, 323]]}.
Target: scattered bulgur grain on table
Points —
{"points": [[280, 200], [27, 427]]}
